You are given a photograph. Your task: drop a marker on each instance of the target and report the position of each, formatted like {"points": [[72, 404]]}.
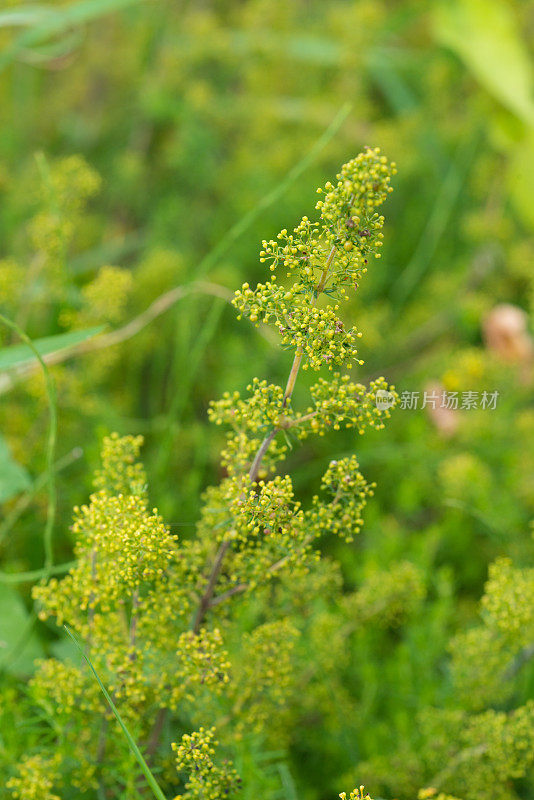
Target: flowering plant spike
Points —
{"points": [[166, 621]]}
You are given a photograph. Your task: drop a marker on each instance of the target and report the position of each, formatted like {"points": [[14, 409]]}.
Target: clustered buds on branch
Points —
{"points": [[323, 258], [155, 611]]}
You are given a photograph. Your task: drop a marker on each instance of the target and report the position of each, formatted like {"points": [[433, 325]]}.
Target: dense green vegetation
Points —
{"points": [[147, 149]]}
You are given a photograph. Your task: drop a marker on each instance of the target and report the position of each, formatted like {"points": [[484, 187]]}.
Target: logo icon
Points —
{"points": [[384, 399]]}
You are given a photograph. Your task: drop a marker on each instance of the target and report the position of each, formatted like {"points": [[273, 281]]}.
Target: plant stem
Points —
{"points": [[133, 624], [205, 600], [242, 587], [155, 735], [210, 586], [255, 468], [298, 355]]}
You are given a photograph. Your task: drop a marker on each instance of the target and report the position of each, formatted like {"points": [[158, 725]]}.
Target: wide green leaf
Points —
{"points": [[19, 354], [19, 644], [485, 35], [42, 22], [520, 178]]}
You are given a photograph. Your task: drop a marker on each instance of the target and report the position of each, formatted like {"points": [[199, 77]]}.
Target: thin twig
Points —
{"points": [[133, 624], [162, 304], [256, 464], [155, 734], [92, 596], [210, 586], [522, 658], [461, 757], [242, 587]]}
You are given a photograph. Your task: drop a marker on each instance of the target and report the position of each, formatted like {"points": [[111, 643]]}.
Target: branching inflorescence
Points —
{"points": [[154, 611]]}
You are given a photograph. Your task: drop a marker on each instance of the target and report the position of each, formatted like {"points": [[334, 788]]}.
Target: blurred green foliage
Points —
{"points": [[135, 135]]}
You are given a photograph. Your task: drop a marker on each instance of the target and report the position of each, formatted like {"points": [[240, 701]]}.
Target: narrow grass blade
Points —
{"points": [[152, 782], [271, 197], [410, 280]]}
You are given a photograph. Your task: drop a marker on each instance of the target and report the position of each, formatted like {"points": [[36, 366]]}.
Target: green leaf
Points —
{"points": [[25, 16], [19, 644], [13, 477], [485, 35], [46, 21], [19, 354], [520, 178]]}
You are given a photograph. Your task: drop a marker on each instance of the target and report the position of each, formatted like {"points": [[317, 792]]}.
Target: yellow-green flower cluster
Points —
{"points": [[132, 587], [70, 183], [462, 754], [263, 522], [356, 794], [104, 298], [349, 223], [250, 419], [362, 185], [265, 676], [202, 662], [509, 738], [262, 408], [195, 756], [495, 747], [121, 472], [65, 687], [268, 302], [387, 596], [130, 596], [217, 521], [65, 188], [348, 491], [480, 661], [267, 509], [119, 547], [508, 602], [489, 659], [299, 253], [319, 333], [340, 401], [240, 449], [50, 234], [336, 402], [323, 258], [36, 778]]}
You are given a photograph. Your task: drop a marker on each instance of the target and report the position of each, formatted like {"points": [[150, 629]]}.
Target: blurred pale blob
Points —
{"points": [[445, 419], [506, 334]]}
